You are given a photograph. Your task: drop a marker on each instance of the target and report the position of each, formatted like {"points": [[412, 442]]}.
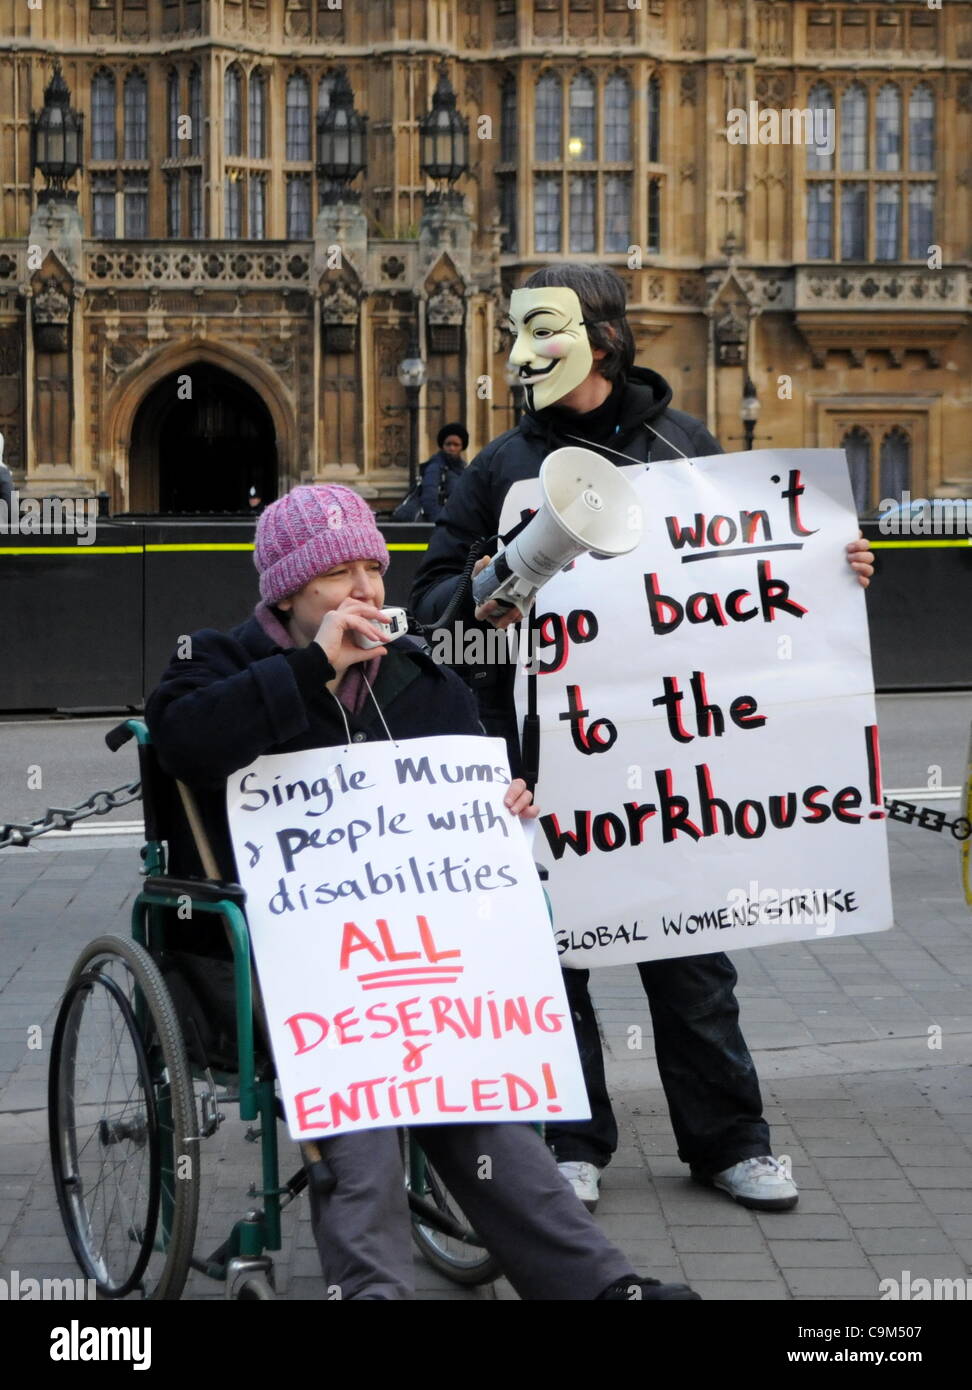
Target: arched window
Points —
{"points": [[820, 220], [258, 116], [548, 119], [232, 112], [895, 463], [888, 223], [103, 116], [853, 221], [324, 89], [195, 110], [853, 129], [654, 120], [857, 443], [298, 207], [921, 129], [174, 102], [582, 141], [821, 98], [508, 117], [617, 117], [298, 117], [136, 116], [888, 128]]}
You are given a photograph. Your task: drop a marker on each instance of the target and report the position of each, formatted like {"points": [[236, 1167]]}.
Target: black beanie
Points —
{"points": [[458, 430]]}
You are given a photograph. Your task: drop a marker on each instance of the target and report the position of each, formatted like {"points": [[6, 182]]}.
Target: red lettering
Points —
{"points": [[344, 1020], [480, 1097], [513, 1083], [425, 936], [304, 1112], [354, 939], [406, 1014], [300, 1039], [389, 945], [441, 1104]]}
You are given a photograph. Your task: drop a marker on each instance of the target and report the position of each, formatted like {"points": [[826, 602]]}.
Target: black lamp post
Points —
{"points": [[56, 134], [749, 411], [411, 373], [444, 140], [341, 135]]}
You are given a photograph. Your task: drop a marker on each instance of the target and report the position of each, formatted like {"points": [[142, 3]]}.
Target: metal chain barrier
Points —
{"points": [[927, 818], [101, 802], [63, 818]]}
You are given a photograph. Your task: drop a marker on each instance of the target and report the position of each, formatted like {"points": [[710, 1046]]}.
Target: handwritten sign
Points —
{"points": [[709, 764], [401, 938]]}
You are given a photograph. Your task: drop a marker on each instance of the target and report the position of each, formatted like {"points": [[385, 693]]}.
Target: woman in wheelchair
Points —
{"points": [[293, 677]]}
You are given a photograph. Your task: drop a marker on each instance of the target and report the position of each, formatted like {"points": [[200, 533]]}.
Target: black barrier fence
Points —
{"points": [[92, 626]]}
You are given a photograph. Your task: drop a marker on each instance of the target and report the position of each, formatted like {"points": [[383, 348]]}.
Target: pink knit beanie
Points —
{"points": [[309, 531]]}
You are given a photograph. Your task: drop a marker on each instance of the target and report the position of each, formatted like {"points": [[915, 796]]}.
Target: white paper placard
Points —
{"points": [[709, 765], [401, 938]]}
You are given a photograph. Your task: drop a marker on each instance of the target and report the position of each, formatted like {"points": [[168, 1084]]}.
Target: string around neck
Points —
{"points": [[344, 717], [378, 708], [590, 444]]}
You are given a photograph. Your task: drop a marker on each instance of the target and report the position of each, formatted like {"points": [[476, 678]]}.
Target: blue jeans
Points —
{"points": [[707, 1073]]}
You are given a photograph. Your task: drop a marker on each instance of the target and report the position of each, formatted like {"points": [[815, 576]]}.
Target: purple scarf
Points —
{"points": [[352, 691]]}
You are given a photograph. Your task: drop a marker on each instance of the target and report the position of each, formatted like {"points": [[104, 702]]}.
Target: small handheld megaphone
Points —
{"points": [[587, 506]]}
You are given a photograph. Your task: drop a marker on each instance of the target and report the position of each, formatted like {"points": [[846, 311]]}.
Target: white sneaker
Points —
{"points": [[585, 1179], [761, 1183]]}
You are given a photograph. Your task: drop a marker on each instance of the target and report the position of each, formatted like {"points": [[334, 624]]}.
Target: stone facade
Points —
{"points": [[204, 248]]}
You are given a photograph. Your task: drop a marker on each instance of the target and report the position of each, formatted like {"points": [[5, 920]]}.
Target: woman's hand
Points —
{"points": [[861, 559], [490, 611], [334, 634], [520, 801]]}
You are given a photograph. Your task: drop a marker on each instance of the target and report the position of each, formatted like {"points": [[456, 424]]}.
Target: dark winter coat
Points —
{"points": [[438, 478], [622, 423], [241, 694]]}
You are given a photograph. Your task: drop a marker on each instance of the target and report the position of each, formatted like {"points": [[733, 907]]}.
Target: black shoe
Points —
{"points": [[631, 1289]]}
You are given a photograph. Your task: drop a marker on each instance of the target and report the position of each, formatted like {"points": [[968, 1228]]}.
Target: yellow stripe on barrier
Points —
{"points": [[202, 545], [913, 545], [70, 550]]}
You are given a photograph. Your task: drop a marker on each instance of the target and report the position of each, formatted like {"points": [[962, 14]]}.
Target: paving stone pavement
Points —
{"points": [[863, 1047]]}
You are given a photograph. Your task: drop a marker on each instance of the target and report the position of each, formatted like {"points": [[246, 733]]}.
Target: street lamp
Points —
{"points": [[749, 411], [411, 373], [340, 143], [444, 139], [56, 140], [512, 375]]}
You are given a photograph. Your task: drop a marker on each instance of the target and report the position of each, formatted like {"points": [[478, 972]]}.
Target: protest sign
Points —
{"points": [[709, 765], [401, 938]]}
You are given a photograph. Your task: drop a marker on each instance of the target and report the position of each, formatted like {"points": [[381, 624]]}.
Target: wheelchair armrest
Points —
{"points": [[207, 890]]}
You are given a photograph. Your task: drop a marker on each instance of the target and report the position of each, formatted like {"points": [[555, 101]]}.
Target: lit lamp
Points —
{"points": [[341, 133], [411, 373], [749, 411], [56, 134], [444, 139]]}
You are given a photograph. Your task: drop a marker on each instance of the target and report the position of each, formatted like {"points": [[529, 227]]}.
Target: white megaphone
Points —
{"points": [[587, 506]]}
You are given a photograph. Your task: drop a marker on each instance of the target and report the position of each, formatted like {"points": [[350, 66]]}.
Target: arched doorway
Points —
{"points": [[202, 452]]}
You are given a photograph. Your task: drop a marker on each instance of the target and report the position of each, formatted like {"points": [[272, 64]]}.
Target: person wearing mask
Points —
{"points": [[574, 353]]}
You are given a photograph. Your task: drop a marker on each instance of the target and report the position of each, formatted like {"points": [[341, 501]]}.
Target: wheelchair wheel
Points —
{"points": [[123, 1127], [460, 1258]]}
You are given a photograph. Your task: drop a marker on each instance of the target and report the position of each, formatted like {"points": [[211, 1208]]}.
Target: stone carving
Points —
{"points": [[731, 332], [818, 288], [444, 314], [225, 264], [393, 267], [339, 319], [689, 87], [51, 313]]}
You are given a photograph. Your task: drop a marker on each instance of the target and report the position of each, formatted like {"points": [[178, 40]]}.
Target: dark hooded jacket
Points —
{"points": [[636, 419], [241, 694]]}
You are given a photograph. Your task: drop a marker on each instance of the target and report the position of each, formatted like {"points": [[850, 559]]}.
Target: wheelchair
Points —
{"points": [[151, 1040]]}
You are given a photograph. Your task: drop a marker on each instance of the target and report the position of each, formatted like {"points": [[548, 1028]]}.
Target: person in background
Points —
{"points": [[439, 473]]}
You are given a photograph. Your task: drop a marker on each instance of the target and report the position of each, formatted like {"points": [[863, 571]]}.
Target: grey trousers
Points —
{"points": [[546, 1242]]}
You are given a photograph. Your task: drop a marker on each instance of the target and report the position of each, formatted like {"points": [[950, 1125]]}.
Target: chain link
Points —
{"points": [[63, 818]]}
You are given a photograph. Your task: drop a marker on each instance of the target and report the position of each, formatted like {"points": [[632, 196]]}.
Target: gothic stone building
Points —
{"points": [[202, 320]]}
